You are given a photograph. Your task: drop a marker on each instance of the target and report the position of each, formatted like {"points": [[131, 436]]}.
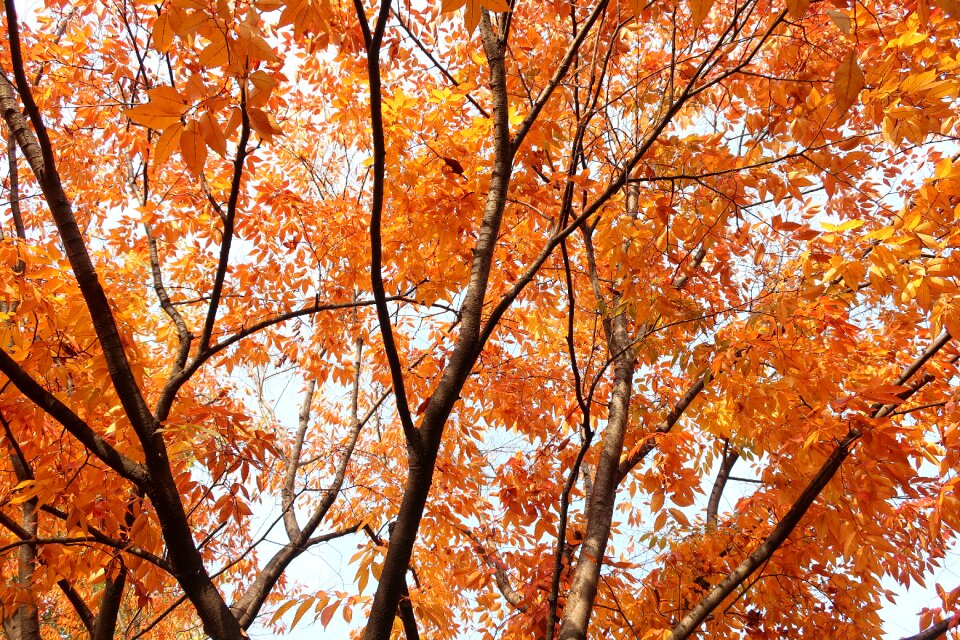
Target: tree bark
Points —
{"points": [[424, 443], [583, 591]]}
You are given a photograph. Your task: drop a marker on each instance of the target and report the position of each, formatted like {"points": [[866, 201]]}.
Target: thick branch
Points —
{"points": [[729, 458], [937, 630], [638, 453], [86, 276], [76, 600], [26, 616], [583, 590], [499, 574], [373, 42], [440, 404], [132, 471], [18, 127], [405, 607], [14, 178], [762, 553], [287, 494], [105, 626], [792, 518]]}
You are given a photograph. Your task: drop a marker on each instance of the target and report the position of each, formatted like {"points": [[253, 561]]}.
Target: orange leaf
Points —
{"points": [[164, 109], [262, 124], [162, 33], [168, 141], [949, 7], [699, 10], [798, 8], [192, 148], [167, 99], [679, 516], [841, 19], [212, 134], [328, 612], [848, 82], [302, 609], [286, 606], [149, 115], [656, 503], [217, 53], [472, 14], [885, 393]]}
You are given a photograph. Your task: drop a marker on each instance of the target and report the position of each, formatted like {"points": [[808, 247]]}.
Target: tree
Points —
{"points": [[541, 272]]}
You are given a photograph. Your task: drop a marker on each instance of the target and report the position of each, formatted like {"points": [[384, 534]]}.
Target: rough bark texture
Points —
{"points": [[583, 591], [105, 625]]}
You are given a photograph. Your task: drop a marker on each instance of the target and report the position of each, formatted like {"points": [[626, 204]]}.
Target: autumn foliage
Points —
{"points": [[564, 318]]}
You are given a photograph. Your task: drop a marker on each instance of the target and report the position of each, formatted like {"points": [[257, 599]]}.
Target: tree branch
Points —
{"points": [[571, 53], [765, 550], [373, 42], [86, 276], [499, 573], [127, 468], [936, 630], [639, 452], [229, 220], [728, 458], [789, 522]]}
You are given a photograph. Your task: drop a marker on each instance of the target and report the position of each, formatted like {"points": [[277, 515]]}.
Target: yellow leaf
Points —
{"points": [[699, 10], [798, 8], [302, 609], [849, 225], [162, 33], [944, 168], [192, 148], [168, 141], [848, 82], [212, 134], [286, 606], [149, 115]]}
